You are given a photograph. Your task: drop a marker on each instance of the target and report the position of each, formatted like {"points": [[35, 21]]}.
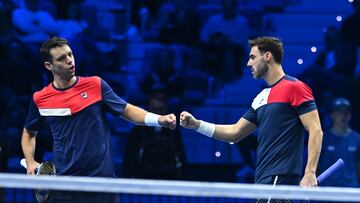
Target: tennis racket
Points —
{"points": [[329, 171], [45, 168], [339, 163]]}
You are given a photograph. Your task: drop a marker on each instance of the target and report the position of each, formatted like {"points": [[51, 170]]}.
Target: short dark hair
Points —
{"points": [[49, 44], [269, 44]]}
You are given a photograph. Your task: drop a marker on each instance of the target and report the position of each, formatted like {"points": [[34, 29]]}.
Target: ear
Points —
{"points": [[48, 65], [268, 56]]}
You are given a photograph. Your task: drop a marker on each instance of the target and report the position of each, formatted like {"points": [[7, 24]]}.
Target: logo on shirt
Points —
{"points": [[84, 95], [261, 99]]}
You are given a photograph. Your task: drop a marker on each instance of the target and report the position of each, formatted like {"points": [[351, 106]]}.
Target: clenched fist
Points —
{"points": [[189, 121], [168, 121]]}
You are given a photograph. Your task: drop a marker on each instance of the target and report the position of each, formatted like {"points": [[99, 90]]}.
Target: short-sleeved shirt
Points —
{"points": [[344, 147], [275, 111], [76, 118]]}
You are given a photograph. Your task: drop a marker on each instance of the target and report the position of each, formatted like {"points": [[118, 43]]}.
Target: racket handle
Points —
{"points": [[330, 170], [23, 163]]}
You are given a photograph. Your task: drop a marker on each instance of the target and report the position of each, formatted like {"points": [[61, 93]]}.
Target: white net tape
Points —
{"points": [[178, 188]]}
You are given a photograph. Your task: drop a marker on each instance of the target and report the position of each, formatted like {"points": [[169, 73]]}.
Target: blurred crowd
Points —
{"points": [[198, 46]]}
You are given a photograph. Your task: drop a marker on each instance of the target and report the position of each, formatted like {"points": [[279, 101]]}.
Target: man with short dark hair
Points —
{"points": [[281, 112], [74, 109], [340, 141]]}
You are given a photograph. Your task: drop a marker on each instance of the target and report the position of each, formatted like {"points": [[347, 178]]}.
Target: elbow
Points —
{"points": [[234, 139], [239, 138], [316, 132]]}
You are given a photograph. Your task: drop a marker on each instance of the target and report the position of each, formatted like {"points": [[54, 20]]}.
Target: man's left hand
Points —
{"points": [[309, 180], [168, 121]]}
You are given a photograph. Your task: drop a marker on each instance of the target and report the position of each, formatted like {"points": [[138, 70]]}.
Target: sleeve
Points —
{"points": [[250, 115], [302, 99], [112, 101], [33, 119]]}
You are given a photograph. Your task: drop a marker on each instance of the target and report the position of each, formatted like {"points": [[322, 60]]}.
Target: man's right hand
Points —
{"points": [[31, 167], [189, 121]]}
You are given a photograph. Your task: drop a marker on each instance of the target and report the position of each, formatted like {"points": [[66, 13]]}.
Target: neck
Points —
{"points": [[274, 74], [340, 130], [63, 83]]}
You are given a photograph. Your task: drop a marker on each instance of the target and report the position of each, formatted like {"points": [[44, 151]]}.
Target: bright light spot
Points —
{"points": [[338, 18], [217, 154], [351, 1], [300, 61], [313, 49], [231, 143]]}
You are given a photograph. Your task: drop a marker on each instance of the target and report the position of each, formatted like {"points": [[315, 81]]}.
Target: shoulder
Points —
{"points": [[292, 81], [90, 79], [295, 85], [43, 92], [93, 81]]}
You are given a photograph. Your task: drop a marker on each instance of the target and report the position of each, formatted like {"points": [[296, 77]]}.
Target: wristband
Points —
{"points": [[206, 128], [151, 119]]}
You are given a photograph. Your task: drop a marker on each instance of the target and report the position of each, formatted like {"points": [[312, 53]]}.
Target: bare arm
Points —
{"points": [[235, 132], [227, 133], [137, 116], [28, 147], [312, 124], [134, 114]]}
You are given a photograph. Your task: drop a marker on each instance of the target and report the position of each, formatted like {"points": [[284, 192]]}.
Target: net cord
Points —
{"points": [[177, 188]]}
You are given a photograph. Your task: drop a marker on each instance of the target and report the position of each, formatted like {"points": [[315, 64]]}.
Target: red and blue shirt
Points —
{"points": [[76, 118], [275, 111]]}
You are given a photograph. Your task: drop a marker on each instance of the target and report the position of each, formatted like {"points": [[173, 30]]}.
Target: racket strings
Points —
{"points": [[47, 168]]}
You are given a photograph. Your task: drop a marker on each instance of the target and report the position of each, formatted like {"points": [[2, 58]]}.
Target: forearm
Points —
{"points": [[314, 149], [231, 133], [28, 144], [226, 133], [134, 114]]}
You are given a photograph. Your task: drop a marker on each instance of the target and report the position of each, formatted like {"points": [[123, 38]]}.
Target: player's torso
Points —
{"points": [[77, 122], [280, 132]]}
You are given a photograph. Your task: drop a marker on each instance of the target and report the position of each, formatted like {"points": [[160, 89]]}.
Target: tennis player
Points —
{"points": [[74, 109], [281, 112]]}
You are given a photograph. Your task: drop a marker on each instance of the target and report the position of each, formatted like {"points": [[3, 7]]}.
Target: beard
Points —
{"points": [[261, 70]]}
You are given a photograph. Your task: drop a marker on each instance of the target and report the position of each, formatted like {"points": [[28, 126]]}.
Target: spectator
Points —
{"points": [[153, 152], [35, 25], [332, 39], [231, 26], [340, 141], [224, 37], [162, 72], [350, 29], [338, 78], [183, 25]]}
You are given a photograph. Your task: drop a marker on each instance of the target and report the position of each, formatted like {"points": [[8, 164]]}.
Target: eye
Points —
{"points": [[61, 58]]}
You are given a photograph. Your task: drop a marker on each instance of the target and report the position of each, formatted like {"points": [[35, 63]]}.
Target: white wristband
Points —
{"points": [[206, 128], [151, 119]]}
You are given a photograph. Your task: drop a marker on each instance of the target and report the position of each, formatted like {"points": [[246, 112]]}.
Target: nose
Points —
{"points": [[69, 60], [248, 64]]}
